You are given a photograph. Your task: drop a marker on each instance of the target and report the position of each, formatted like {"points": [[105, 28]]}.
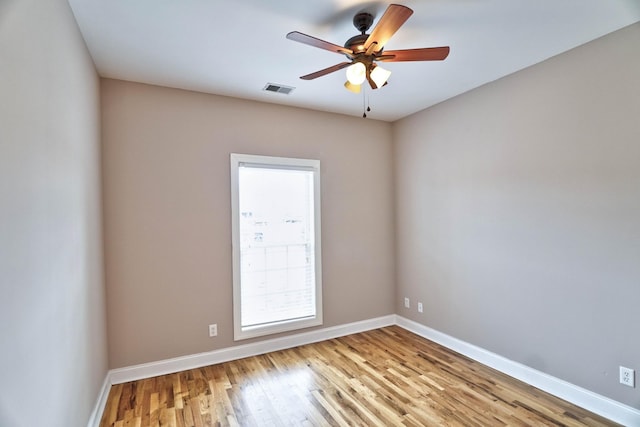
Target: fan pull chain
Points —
{"points": [[364, 90], [365, 101]]}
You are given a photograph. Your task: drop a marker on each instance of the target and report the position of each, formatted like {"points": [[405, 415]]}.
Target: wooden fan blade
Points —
{"points": [[326, 71], [424, 54], [315, 42], [393, 18]]}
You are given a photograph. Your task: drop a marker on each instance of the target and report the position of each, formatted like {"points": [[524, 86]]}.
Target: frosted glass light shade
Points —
{"points": [[351, 87], [356, 73], [380, 76]]}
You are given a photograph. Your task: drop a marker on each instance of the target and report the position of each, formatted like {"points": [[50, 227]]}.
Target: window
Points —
{"points": [[275, 206]]}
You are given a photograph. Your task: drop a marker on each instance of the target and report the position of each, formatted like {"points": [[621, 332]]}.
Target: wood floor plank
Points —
{"points": [[385, 377]]}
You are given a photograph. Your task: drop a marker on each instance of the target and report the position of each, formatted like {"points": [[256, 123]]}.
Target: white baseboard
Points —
{"points": [[578, 396], [586, 399], [101, 402], [178, 364]]}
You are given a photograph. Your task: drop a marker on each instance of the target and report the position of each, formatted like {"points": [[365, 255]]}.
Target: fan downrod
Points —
{"points": [[362, 21]]}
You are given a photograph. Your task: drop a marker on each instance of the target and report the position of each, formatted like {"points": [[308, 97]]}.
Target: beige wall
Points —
{"points": [[518, 215], [168, 216], [53, 356]]}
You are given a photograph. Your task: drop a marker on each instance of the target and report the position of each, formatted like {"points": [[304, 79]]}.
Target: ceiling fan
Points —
{"points": [[365, 50]]}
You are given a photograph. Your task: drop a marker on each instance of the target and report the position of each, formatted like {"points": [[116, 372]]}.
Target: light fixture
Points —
{"points": [[356, 73], [380, 76], [351, 87]]}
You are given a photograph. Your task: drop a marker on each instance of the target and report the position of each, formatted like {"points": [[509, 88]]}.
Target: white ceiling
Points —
{"points": [[236, 47]]}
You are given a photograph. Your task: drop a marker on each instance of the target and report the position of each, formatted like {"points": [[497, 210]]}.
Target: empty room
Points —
{"points": [[321, 213]]}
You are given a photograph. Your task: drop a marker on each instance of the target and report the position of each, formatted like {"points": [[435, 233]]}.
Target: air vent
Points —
{"points": [[273, 87]]}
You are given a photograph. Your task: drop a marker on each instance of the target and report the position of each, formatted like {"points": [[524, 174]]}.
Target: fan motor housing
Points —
{"points": [[356, 43]]}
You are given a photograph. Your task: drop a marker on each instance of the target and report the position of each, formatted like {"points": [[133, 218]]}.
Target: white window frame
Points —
{"points": [[238, 160]]}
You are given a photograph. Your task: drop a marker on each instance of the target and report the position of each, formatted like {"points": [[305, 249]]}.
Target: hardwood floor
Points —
{"points": [[384, 377]]}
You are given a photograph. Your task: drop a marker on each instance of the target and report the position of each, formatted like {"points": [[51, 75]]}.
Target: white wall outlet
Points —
{"points": [[213, 330], [419, 307], [407, 304], [627, 376]]}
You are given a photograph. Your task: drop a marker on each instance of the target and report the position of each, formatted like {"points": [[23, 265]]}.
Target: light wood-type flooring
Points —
{"points": [[385, 377]]}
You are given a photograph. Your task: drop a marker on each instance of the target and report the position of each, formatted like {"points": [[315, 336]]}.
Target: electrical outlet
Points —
{"points": [[213, 330], [627, 376], [406, 303], [419, 307]]}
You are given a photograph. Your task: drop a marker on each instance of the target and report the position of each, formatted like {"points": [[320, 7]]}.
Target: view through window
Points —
{"points": [[276, 214]]}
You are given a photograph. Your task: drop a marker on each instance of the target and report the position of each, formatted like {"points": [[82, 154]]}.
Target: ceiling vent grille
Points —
{"points": [[273, 87]]}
